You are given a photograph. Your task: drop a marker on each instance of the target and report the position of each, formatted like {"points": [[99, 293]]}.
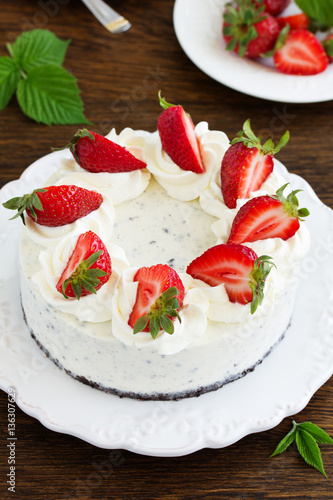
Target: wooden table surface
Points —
{"points": [[119, 76]]}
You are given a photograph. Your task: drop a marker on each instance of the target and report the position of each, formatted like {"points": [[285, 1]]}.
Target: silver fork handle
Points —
{"points": [[107, 16]]}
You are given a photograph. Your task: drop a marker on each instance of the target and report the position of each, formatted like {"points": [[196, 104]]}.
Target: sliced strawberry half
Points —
{"points": [[160, 295], [177, 134], [300, 53], [268, 217], [247, 164], [88, 268], [238, 267], [96, 153]]}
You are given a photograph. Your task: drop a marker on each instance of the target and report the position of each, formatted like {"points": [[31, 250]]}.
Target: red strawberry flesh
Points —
{"points": [[296, 21], [302, 54], [87, 245], [238, 267], [152, 282], [56, 205], [228, 264], [262, 218], [178, 139], [243, 171], [275, 7], [96, 153]]}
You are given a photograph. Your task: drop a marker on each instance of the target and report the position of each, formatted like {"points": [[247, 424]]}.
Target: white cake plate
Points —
{"points": [[282, 385]]}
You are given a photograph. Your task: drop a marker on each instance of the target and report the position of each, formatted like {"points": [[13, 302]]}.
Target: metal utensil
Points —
{"points": [[111, 20]]}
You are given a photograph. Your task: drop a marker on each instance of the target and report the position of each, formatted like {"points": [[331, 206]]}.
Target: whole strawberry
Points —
{"points": [[296, 22], [178, 138], [160, 295], [248, 30], [88, 269], [327, 43], [238, 267], [275, 7], [56, 205], [96, 153], [268, 217], [247, 164]]}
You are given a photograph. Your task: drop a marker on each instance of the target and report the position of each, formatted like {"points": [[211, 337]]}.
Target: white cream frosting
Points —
{"points": [[192, 326], [181, 184], [93, 307]]}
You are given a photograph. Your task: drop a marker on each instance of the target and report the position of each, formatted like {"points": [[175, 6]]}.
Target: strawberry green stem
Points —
{"points": [[164, 104], [159, 316]]}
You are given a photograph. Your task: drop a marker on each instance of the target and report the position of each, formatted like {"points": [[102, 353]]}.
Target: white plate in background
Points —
{"points": [[198, 27]]}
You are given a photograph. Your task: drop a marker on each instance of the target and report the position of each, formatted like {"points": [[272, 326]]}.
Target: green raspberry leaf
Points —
{"points": [[309, 450], [306, 436], [49, 95], [320, 10], [9, 78], [285, 442], [38, 47], [316, 432]]}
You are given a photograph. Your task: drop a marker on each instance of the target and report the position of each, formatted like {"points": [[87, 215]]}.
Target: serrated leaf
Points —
{"points": [[285, 442], [319, 10], [38, 47], [309, 450], [166, 324], [9, 78], [141, 324], [170, 293], [49, 95], [282, 142], [154, 326], [316, 432]]}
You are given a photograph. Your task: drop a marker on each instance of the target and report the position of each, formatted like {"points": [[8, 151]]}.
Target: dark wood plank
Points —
{"points": [[119, 77]]}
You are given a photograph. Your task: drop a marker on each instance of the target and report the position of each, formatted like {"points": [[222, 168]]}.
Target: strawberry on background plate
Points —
{"points": [[268, 217], [96, 153], [247, 164], [88, 269], [327, 43], [238, 267], [275, 7], [299, 52], [176, 131], [295, 22], [248, 30], [55, 205], [160, 295]]}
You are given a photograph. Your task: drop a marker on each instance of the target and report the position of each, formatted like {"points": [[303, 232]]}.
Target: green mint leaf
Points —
{"points": [[309, 450], [38, 47], [316, 432], [320, 10], [49, 95], [9, 78], [286, 441]]}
